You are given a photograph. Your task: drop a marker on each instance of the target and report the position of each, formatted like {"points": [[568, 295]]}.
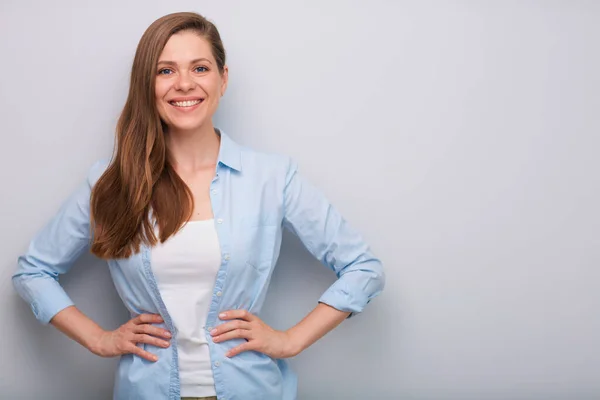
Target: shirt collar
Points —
{"points": [[230, 153]]}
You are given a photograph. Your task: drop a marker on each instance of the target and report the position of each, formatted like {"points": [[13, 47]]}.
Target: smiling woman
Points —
{"points": [[190, 223], [189, 82]]}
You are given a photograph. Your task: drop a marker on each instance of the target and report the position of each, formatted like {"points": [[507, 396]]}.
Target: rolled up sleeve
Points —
{"points": [[329, 237], [53, 251]]}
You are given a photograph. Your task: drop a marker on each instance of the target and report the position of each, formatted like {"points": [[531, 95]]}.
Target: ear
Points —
{"points": [[225, 79]]}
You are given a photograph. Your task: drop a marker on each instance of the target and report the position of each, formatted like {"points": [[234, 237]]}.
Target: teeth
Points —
{"points": [[187, 103]]}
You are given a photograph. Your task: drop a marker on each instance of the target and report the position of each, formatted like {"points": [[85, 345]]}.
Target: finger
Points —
{"points": [[147, 319], [150, 340], [229, 326], [234, 334], [142, 353], [152, 330], [237, 314], [240, 349]]}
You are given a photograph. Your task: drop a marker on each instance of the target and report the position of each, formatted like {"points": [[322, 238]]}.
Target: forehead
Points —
{"points": [[185, 46]]}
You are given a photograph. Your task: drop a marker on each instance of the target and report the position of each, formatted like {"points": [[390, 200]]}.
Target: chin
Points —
{"points": [[186, 125]]}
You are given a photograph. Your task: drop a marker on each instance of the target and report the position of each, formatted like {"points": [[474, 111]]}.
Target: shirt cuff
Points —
{"points": [[45, 296], [341, 298]]}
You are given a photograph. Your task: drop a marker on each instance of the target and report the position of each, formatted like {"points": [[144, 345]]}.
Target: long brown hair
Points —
{"points": [[140, 178]]}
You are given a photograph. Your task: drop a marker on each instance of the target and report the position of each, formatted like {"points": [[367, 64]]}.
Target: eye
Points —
{"points": [[165, 71], [201, 69]]}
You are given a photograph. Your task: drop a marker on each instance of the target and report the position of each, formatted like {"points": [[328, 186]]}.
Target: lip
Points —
{"points": [[187, 98], [185, 109]]}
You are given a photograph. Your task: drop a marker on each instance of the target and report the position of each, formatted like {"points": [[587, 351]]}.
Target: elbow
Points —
{"points": [[370, 277], [21, 275], [27, 271], [381, 279], [378, 279], [18, 275], [16, 282]]}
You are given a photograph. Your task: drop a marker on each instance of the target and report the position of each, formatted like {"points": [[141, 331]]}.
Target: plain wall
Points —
{"points": [[460, 137]]}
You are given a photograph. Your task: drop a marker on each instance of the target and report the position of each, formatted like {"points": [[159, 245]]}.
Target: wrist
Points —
{"points": [[93, 341], [294, 344]]}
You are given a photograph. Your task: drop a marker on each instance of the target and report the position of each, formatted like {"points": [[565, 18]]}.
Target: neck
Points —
{"points": [[193, 150]]}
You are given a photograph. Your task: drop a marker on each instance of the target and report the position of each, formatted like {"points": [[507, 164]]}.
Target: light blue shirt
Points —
{"points": [[254, 195]]}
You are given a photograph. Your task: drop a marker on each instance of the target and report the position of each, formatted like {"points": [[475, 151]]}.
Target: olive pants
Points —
{"points": [[199, 398]]}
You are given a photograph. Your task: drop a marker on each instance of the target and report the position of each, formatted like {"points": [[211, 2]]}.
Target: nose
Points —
{"points": [[184, 82]]}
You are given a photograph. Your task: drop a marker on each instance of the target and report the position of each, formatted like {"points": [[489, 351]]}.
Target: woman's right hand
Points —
{"points": [[123, 340]]}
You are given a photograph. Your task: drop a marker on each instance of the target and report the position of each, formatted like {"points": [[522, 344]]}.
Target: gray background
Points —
{"points": [[460, 137]]}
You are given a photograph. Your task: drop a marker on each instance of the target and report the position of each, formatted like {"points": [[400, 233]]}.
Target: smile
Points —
{"points": [[187, 103]]}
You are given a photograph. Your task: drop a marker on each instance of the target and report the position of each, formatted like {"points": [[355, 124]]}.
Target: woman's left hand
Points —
{"points": [[260, 336]]}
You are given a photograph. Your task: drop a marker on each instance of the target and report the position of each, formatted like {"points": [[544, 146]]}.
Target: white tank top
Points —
{"points": [[186, 267]]}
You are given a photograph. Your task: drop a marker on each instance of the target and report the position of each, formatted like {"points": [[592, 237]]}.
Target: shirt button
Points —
{"points": [[217, 364], [226, 256], [219, 221], [219, 294], [214, 191], [209, 328]]}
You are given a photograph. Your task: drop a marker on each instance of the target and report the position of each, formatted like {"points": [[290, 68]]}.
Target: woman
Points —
{"points": [[190, 224]]}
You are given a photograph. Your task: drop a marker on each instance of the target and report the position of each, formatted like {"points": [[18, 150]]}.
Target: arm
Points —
{"points": [[52, 253], [313, 327], [79, 327], [330, 239], [123, 340], [277, 344]]}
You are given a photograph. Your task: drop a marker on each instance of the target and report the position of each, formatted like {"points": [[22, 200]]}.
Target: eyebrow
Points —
{"points": [[197, 60]]}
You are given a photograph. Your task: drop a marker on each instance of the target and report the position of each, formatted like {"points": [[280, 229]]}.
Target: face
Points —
{"points": [[188, 82]]}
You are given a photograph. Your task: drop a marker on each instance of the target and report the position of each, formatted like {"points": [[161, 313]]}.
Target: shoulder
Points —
{"points": [[264, 162], [96, 170]]}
